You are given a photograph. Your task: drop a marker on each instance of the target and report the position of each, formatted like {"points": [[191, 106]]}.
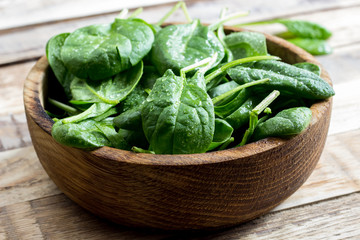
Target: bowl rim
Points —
{"points": [[33, 103]]}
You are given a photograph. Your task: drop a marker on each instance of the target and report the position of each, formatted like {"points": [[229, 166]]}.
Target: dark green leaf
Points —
{"points": [[305, 29], [95, 110], [178, 118], [53, 54], [101, 51], [84, 134], [286, 123], [222, 88], [178, 46], [111, 90], [284, 77], [240, 117], [310, 67], [313, 46], [130, 128], [223, 132], [246, 44], [227, 108]]}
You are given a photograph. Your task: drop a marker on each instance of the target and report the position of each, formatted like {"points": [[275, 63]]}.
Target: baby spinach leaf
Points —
{"points": [[246, 44], [95, 110], [309, 66], [130, 127], [284, 77], [53, 54], [116, 140], [313, 46], [139, 94], [298, 28], [225, 109], [222, 88], [305, 29], [84, 134], [111, 90], [178, 117], [241, 115], [222, 134], [134, 138], [178, 46], [100, 51], [130, 119], [286, 123]]}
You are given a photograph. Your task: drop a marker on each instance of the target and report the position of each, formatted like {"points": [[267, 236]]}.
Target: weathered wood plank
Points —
{"points": [[13, 131], [343, 64], [29, 42], [336, 174], [346, 108], [56, 217], [13, 127], [18, 221], [22, 177], [23, 13], [332, 219]]}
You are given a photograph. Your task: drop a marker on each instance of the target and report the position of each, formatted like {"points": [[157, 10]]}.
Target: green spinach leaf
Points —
{"points": [[178, 117], [100, 51], [111, 91], [178, 46], [313, 46], [222, 134], [53, 54], [246, 44], [305, 29], [310, 67], [284, 77], [286, 123], [84, 134]]}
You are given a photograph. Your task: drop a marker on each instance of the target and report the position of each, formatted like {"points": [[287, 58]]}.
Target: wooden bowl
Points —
{"points": [[177, 192]]}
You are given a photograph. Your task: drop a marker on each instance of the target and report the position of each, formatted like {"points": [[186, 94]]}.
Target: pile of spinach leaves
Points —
{"points": [[178, 89]]}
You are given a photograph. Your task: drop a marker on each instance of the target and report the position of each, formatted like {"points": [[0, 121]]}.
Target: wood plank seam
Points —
{"points": [[309, 12]]}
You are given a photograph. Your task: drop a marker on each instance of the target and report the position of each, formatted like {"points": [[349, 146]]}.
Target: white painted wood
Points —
{"points": [[20, 13]]}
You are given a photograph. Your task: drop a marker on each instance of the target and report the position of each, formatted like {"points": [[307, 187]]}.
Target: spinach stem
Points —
{"points": [[221, 36], [254, 115], [266, 102], [225, 67], [225, 144], [234, 90], [106, 114], [258, 23], [172, 10], [140, 150], [186, 13], [220, 30], [63, 106], [105, 100], [209, 64], [80, 116], [221, 21], [135, 13], [191, 67], [252, 124], [123, 13]]}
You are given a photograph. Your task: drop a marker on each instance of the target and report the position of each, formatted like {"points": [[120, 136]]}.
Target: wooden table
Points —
{"points": [[327, 206]]}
